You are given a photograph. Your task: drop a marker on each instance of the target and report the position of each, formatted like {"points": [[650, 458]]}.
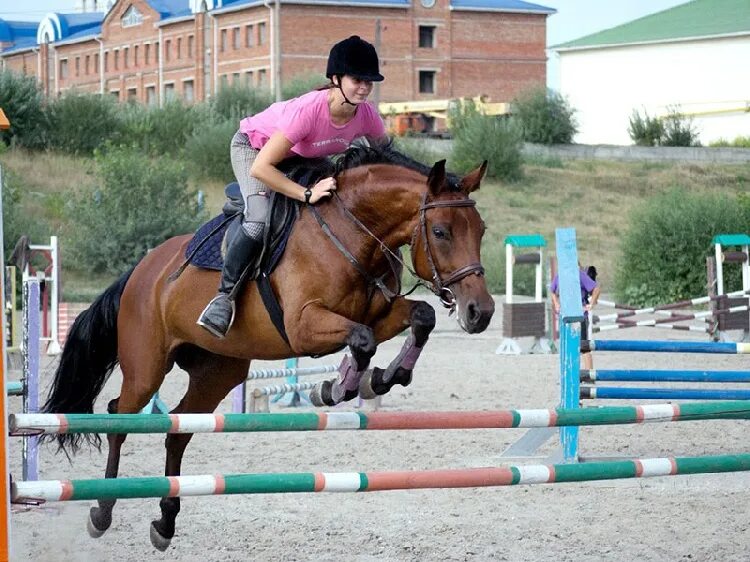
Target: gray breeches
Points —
{"points": [[254, 192]]}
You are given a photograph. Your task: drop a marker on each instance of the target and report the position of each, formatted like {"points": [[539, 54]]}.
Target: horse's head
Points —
{"points": [[446, 247]]}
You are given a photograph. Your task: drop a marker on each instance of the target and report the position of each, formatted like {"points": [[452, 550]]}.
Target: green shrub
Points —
{"points": [[79, 123], [16, 222], [23, 103], [664, 250], [302, 84], [141, 203], [162, 130], [545, 117], [478, 137], [235, 101], [645, 130], [678, 129], [738, 142], [417, 149], [207, 151]]}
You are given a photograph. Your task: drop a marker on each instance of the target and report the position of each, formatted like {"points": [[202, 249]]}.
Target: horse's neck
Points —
{"points": [[389, 207]]}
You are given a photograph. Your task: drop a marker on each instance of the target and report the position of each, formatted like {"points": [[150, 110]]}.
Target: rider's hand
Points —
{"points": [[324, 188]]}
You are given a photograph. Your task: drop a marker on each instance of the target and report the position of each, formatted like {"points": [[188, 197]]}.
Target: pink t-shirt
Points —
{"points": [[306, 122]]}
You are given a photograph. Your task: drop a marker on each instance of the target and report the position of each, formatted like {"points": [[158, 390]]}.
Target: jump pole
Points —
{"points": [[301, 482], [4, 465], [21, 424]]}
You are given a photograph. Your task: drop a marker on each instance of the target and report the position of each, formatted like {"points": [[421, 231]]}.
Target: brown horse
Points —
{"points": [[146, 322]]}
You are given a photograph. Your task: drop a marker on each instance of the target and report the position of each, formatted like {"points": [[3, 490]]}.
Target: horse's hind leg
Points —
{"points": [[211, 379], [132, 399]]}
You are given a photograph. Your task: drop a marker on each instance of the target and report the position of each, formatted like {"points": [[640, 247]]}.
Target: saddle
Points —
{"points": [[205, 248]]}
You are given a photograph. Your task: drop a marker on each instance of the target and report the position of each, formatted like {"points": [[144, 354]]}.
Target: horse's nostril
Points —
{"points": [[473, 313]]}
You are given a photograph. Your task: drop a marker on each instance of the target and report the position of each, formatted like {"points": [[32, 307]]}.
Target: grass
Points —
{"points": [[594, 197]]}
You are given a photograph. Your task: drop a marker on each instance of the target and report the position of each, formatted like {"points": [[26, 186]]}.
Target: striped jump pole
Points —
{"points": [[653, 375], [632, 310], [630, 393], [653, 324], [319, 421], [665, 346], [258, 374], [301, 482]]}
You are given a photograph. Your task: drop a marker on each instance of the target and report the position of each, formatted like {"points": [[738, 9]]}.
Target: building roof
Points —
{"points": [[502, 6], [696, 19], [171, 8], [11, 31]]}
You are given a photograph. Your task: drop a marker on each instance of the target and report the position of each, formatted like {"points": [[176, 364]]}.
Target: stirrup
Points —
{"points": [[212, 328]]}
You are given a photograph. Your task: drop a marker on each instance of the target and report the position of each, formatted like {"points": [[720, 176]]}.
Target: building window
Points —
{"points": [[117, 60], [262, 78], [169, 94], [223, 40], [236, 78], [132, 17], [249, 78], [115, 94], [249, 36], [223, 81], [261, 33], [167, 49], [106, 61], [426, 36], [188, 90], [147, 54], [156, 52], [151, 95], [78, 66], [63, 69], [191, 46], [179, 48], [426, 81], [126, 57], [132, 94], [96, 63], [87, 64], [135, 56]]}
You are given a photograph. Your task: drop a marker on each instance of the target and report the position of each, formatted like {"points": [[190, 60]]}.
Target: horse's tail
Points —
{"points": [[88, 358]]}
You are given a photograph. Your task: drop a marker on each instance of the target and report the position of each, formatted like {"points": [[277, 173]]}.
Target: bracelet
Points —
{"points": [[308, 194]]}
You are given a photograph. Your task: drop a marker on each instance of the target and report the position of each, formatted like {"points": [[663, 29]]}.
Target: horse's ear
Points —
{"points": [[436, 180], [470, 182]]}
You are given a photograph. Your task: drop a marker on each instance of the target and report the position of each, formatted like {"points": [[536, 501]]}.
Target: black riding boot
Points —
{"points": [[218, 316]]}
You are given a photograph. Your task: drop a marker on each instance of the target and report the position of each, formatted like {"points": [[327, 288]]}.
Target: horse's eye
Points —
{"points": [[440, 233]]}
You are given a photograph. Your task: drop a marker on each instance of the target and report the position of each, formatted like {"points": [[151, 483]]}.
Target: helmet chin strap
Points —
{"points": [[346, 100]]}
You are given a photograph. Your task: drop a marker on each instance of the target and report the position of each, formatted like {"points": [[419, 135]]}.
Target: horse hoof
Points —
{"points": [[160, 542], [93, 530], [315, 398], [320, 395]]}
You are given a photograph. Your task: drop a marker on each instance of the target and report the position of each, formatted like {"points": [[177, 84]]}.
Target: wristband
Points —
{"points": [[308, 194]]}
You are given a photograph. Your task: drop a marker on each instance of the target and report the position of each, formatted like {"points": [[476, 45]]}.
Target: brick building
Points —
{"points": [[153, 50]]}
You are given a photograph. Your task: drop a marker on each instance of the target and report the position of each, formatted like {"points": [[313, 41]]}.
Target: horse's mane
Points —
{"points": [[308, 171]]}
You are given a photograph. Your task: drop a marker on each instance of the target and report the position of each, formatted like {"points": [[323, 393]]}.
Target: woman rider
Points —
{"points": [[317, 124]]}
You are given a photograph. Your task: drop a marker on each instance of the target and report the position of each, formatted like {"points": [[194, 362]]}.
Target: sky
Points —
{"points": [[574, 18]]}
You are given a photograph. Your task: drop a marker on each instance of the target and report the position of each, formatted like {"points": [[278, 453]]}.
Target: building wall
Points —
{"points": [[606, 85], [470, 53]]}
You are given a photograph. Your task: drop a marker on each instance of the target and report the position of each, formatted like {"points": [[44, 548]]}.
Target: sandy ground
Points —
{"points": [[675, 518]]}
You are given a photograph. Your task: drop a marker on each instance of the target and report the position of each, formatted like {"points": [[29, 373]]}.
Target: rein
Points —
{"points": [[438, 286]]}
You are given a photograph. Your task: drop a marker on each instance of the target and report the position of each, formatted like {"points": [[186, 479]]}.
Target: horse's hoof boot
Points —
{"points": [[160, 543]]}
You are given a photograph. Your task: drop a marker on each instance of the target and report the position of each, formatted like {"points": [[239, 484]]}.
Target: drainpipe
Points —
{"points": [[274, 17], [161, 68], [101, 65], [57, 74], [215, 71]]}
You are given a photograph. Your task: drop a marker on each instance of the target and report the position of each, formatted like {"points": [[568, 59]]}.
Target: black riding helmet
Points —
{"points": [[356, 57]]}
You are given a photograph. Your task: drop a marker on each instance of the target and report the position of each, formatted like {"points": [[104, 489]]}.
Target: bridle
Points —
{"points": [[441, 287], [438, 286]]}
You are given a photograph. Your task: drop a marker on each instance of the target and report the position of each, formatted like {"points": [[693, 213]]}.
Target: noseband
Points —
{"points": [[441, 287]]}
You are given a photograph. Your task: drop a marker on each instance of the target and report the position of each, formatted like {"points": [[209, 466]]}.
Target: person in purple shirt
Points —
{"points": [[590, 290], [320, 123]]}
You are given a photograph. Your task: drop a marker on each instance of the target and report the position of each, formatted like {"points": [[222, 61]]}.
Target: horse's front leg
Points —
{"points": [[320, 330], [421, 317]]}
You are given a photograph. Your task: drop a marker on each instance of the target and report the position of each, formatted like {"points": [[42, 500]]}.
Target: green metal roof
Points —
{"points": [[526, 240], [699, 18], [732, 239]]}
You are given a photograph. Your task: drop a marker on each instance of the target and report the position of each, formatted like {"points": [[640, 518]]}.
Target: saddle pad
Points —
{"points": [[209, 255]]}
